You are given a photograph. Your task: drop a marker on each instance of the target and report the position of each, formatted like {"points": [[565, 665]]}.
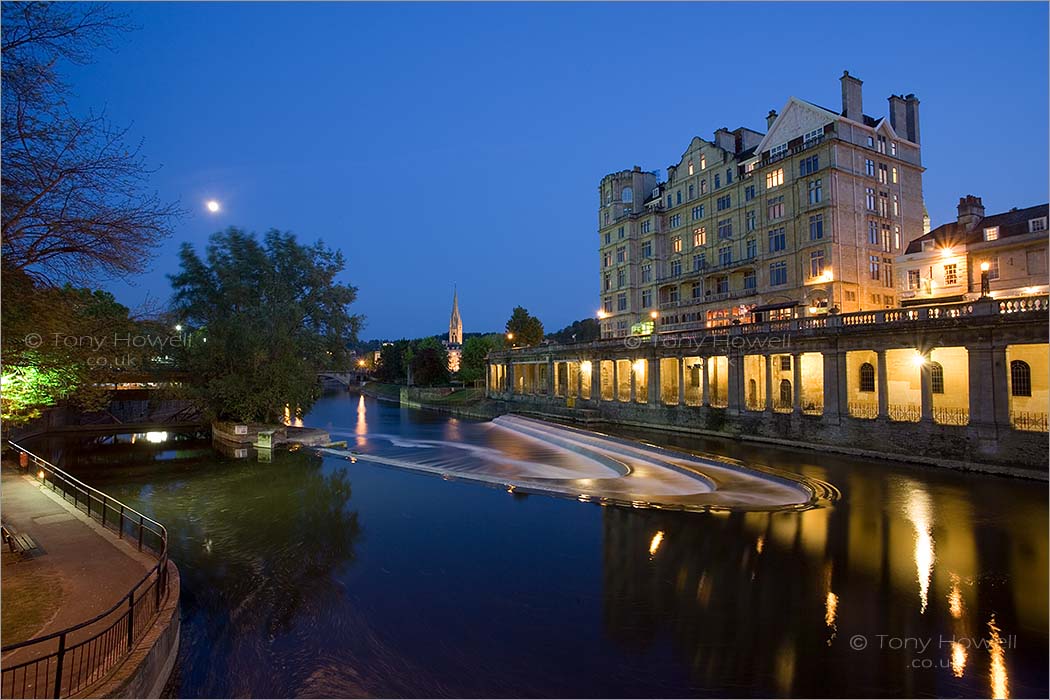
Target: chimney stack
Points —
{"points": [[725, 140], [770, 118], [852, 102], [971, 211], [911, 110], [898, 115]]}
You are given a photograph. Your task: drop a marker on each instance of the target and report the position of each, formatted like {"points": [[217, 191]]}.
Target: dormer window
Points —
{"points": [[778, 151], [813, 135], [1037, 224], [991, 233], [927, 245]]}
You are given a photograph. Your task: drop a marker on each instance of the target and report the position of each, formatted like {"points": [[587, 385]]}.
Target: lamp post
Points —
{"points": [[655, 316], [985, 287], [510, 339]]}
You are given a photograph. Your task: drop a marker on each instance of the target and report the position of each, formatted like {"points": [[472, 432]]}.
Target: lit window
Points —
{"points": [[913, 279], [703, 162], [951, 275], [991, 234], [893, 175], [893, 149], [690, 167], [883, 173], [774, 178], [699, 236], [676, 244]]}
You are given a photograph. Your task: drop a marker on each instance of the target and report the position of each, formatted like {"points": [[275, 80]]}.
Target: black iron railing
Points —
{"points": [[1028, 420], [66, 662]]}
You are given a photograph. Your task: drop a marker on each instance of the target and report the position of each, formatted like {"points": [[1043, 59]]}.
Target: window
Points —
{"points": [[778, 152], [690, 167], [867, 377], [725, 202], [647, 226], [627, 195], [699, 236], [896, 206], [606, 218], [699, 262], [869, 167], [678, 197], [991, 234], [647, 298], [698, 290], [815, 191], [893, 148], [873, 267], [882, 144], [1020, 378], [778, 274], [608, 238], [621, 301], [620, 232], [607, 304], [871, 142], [621, 254], [670, 202], [607, 281], [729, 176], [621, 277], [647, 272], [777, 240], [851, 295], [607, 259], [698, 212], [725, 256], [884, 207], [676, 267], [1037, 224], [722, 285], [816, 227], [816, 263], [937, 377], [869, 198], [774, 208], [647, 249], [913, 279], [993, 268], [951, 274], [750, 280], [725, 229], [676, 244], [813, 135], [774, 178], [675, 221], [884, 173], [672, 295], [703, 187], [749, 193], [691, 190], [873, 233], [718, 181], [886, 237], [808, 166], [751, 246], [893, 175], [749, 220], [887, 276], [896, 237], [785, 363], [703, 161]]}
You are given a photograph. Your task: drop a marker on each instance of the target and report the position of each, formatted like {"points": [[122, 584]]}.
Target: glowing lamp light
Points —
{"points": [[602, 314], [813, 309], [510, 336], [919, 359], [585, 366], [639, 366], [654, 314], [178, 328], [360, 363], [40, 475], [946, 252], [985, 266], [654, 544], [156, 437]]}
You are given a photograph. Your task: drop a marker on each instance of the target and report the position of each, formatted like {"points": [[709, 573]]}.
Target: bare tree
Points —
{"points": [[75, 198]]}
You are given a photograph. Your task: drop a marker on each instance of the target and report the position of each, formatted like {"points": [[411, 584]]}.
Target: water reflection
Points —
{"points": [[296, 584]]}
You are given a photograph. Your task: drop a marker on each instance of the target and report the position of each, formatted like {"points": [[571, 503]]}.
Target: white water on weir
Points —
{"points": [[537, 456]]}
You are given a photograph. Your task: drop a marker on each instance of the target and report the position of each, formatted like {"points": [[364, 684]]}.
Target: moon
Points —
{"points": [[212, 206]]}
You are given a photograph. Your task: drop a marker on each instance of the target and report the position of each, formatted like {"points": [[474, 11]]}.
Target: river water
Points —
{"points": [[314, 576]]}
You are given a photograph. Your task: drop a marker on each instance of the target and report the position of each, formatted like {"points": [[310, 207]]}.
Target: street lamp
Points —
{"points": [[985, 287], [655, 315], [510, 339]]}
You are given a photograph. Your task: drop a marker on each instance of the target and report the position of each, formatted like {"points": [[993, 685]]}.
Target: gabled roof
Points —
{"points": [[815, 112], [1010, 223]]}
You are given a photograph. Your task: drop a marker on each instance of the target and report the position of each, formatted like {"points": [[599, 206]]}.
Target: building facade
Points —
{"points": [[801, 221], [454, 344], [945, 265]]}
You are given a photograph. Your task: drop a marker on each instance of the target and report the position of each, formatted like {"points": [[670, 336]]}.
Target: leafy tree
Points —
{"points": [[526, 329], [429, 362], [472, 363], [75, 197], [393, 365], [582, 331], [271, 315]]}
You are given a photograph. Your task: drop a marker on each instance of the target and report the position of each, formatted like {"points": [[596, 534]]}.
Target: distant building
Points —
{"points": [[454, 344], [757, 227], [945, 264]]}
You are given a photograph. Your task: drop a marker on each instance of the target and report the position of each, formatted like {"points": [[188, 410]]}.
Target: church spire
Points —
{"points": [[455, 324]]}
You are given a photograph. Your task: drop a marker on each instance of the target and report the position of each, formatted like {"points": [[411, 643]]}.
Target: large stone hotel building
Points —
{"points": [[797, 222]]}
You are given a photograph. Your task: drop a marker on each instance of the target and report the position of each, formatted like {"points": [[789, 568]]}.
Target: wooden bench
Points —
{"points": [[19, 543]]}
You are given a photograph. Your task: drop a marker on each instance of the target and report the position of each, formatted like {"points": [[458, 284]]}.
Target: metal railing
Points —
{"points": [[951, 416], [66, 662], [1029, 421], [904, 413], [863, 409]]}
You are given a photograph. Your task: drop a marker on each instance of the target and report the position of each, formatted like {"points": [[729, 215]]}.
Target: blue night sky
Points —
{"points": [[464, 143]]}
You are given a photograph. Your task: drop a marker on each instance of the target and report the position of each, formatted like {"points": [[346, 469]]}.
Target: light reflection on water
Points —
{"points": [[319, 577]]}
